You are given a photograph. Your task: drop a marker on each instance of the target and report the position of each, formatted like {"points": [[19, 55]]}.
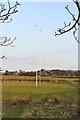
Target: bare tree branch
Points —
{"points": [[73, 16], [3, 57], [5, 13], [68, 27], [74, 34], [4, 41]]}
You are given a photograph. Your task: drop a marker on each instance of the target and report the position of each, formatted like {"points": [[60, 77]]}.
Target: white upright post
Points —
{"points": [[36, 79], [38, 57], [36, 60]]}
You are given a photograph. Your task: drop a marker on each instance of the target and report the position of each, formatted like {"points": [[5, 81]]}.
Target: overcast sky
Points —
{"points": [[36, 46]]}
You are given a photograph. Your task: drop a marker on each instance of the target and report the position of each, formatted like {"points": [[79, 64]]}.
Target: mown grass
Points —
{"points": [[22, 89]]}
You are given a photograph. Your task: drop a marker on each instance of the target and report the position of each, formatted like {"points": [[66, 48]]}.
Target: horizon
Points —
{"points": [[40, 70]]}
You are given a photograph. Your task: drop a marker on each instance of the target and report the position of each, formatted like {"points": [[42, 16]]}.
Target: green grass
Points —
{"points": [[22, 89]]}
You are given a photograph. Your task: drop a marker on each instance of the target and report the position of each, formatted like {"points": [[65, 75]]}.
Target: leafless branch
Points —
{"points": [[68, 27], [4, 41], [3, 57], [73, 16], [74, 34], [5, 13]]}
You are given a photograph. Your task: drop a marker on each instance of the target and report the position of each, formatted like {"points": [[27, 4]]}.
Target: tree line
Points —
{"points": [[44, 72]]}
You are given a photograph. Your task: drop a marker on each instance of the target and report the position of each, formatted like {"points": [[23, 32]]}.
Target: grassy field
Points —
{"points": [[16, 93], [22, 89]]}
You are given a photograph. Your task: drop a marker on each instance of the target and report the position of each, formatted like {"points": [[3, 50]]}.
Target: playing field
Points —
{"points": [[22, 89], [17, 91]]}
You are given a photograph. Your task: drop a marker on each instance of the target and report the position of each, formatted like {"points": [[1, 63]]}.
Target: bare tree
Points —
{"points": [[5, 17], [68, 27]]}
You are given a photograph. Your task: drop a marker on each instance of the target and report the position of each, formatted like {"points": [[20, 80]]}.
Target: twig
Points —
{"points": [[68, 27]]}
